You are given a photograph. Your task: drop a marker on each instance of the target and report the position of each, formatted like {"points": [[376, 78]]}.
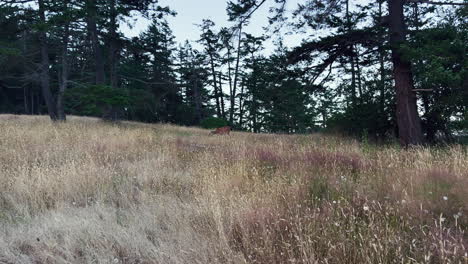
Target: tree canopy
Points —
{"points": [[386, 69]]}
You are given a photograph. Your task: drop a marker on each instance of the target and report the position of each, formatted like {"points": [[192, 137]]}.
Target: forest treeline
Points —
{"points": [[386, 68]]}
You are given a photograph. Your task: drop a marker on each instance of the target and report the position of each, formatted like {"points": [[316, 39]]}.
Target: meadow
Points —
{"points": [[87, 191]]}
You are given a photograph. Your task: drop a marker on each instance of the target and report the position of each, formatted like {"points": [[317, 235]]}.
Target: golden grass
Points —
{"points": [[86, 191]]}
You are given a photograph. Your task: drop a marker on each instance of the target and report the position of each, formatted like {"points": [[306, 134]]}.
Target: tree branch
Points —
{"points": [[435, 3], [257, 6]]}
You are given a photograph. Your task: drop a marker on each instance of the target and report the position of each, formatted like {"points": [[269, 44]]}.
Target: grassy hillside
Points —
{"points": [[93, 192]]}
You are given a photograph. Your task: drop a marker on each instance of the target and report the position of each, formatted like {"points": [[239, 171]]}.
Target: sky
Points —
{"points": [[192, 12]]}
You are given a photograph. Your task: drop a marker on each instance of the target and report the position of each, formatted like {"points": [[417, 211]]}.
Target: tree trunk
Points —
{"points": [[197, 98], [64, 72], [25, 85], [93, 32], [253, 89], [44, 75], [223, 109], [254, 113], [353, 68], [39, 103], [241, 105], [353, 82], [358, 73], [236, 76], [381, 61], [382, 64], [409, 123], [324, 116], [382, 80], [113, 49], [32, 101], [215, 84], [229, 75], [25, 100]]}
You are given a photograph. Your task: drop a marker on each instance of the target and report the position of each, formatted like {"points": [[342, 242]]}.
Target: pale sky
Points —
{"points": [[192, 12]]}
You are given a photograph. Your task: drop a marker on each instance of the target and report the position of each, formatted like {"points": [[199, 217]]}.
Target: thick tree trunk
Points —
{"points": [[44, 75], [111, 112], [93, 33], [409, 123]]}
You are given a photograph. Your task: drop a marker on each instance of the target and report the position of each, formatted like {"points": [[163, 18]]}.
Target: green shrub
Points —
{"points": [[366, 120], [96, 100], [213, 122]]}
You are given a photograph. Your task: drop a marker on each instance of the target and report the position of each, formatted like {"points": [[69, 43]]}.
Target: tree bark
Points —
{"points": [[93, 32], [409, 123], [45, 63]]}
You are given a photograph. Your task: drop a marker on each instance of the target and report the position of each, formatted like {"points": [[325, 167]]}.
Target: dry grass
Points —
{"points": [[94, 192]]}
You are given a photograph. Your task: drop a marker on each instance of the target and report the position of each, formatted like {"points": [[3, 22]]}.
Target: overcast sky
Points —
{"points": [[192, 12]]}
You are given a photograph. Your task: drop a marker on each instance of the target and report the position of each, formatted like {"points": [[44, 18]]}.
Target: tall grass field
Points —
{"points": [[88, 191]]}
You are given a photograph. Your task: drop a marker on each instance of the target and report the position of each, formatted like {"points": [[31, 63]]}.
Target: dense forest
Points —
{"points": [[379, 69]]}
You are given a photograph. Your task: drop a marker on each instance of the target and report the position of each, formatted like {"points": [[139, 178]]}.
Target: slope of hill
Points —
{"points": [[86, 191]]}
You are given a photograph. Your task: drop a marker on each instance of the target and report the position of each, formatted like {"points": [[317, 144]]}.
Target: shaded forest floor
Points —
{"points": [[92, 192]]}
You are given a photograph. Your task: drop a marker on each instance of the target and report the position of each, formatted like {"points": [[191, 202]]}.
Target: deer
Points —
{"points": [[221, 130]]}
